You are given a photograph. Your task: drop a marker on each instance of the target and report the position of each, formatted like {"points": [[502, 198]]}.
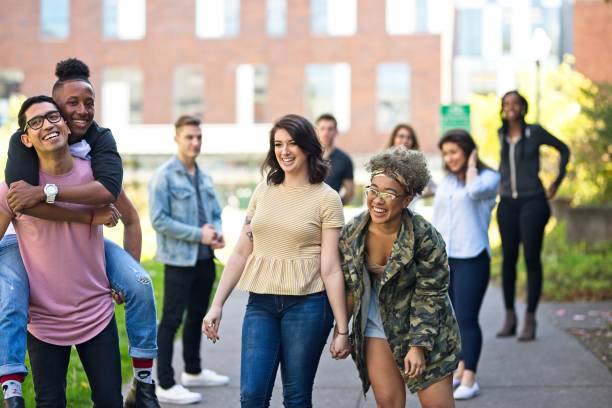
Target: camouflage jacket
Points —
{"points": [[413, 296]]}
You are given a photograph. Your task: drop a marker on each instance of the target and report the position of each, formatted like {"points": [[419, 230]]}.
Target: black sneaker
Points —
{"points": [[141, 395], [14, 402]]}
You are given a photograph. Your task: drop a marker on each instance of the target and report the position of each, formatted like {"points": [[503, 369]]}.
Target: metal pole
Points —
{"points": [[537, 85]]}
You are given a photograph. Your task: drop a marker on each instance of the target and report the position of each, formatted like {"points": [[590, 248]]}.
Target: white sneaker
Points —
{"points": [[456, 382], [207, 378], [464, 392], [177, 394]]}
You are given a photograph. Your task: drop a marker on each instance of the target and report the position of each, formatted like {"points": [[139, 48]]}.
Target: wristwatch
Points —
{"points": [[51, 191]]}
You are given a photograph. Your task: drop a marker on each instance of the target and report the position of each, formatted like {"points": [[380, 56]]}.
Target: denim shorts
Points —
{"points": [[374, 326]]}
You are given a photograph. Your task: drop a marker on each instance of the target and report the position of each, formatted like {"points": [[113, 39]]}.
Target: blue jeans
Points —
{"points": [[469, 278], [14, 295], [126, 277], [286, 330]]}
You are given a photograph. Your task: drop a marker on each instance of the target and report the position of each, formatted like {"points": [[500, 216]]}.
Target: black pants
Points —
{"points": [[522, 220], [101, 361], [185, 288], [469, 279]]}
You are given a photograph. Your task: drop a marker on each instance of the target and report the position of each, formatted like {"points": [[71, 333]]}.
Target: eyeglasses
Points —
{"points": [[37, 121], [371, 192]]}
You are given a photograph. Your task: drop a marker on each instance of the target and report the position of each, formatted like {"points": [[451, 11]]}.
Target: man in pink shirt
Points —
{"points": [[70, 296]]}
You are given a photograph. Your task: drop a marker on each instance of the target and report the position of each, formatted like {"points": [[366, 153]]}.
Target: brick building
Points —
{"points": [[593, 39], [371, 63]]}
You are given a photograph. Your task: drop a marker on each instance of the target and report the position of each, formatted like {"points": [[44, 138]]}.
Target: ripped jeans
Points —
{"points": [[126, 277]]}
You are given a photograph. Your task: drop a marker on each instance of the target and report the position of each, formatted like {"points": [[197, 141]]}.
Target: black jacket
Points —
{"points": [[520, 164]]}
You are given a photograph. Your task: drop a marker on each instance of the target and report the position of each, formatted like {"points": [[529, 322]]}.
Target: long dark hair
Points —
{"points": [[410, 129], [465, 142], [304, 135]]}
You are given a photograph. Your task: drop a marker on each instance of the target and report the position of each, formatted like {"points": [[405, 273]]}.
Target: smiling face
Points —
{"points": [[512, 107], [76, 101], [454, 157], [387, 209], [50, 137], [290, 157]]}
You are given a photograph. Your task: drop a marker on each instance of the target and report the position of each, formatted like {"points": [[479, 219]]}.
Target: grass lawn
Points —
{"points": [[77, 391]]}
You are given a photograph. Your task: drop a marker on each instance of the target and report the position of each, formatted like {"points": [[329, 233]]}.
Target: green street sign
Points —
{"points": [[454, 116]]}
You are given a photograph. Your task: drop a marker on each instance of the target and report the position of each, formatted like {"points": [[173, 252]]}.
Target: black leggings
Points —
{"points": [[468, 283], [101, 361], [522, 220]]}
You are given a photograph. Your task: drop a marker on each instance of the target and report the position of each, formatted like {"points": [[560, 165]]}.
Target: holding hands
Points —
{"points": [[211, 322], [340, 346]]}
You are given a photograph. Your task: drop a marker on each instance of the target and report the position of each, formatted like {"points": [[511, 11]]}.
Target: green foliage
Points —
{"points": [[571, 271], [572, 108]]}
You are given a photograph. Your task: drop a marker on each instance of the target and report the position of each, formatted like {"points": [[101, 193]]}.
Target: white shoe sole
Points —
{"points": [[467, 397], [190, 383], [184, 401]]}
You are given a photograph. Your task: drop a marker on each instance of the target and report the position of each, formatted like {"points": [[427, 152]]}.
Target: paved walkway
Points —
{"points": [[554, 371]]}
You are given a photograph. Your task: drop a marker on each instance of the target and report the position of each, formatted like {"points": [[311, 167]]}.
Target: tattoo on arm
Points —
{"points": [[249, 233]]}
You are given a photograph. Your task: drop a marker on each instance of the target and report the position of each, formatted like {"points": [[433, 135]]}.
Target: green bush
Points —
{"points": [[571, 271]]}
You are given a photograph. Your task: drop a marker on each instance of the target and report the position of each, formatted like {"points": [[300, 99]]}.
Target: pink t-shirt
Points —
{"points": [[70, 297]]}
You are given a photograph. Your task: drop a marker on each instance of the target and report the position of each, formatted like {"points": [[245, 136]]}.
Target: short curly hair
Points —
{"points": [[410, 165]]}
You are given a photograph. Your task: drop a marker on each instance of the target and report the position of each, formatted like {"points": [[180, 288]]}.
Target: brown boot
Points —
{"points": [[529, 329], [509, 327]]}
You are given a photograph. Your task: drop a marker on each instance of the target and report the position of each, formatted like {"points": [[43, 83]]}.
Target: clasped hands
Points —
{"points": [[22, 195], [340, 347]]}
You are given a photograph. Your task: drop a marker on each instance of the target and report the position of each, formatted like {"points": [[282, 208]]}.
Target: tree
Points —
{"points": [[575, 110]]}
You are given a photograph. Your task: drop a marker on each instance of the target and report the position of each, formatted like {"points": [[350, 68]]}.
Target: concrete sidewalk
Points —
{"points": [[553, 371]]}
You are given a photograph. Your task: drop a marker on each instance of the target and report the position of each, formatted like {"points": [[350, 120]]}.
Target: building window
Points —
{"points": [[333, 17], [251, 93], [188, 86], [10, 84], [469, 32], [124, 19], [392, 95], [121, 96], [506, 30], [276, 20], [217, 18], [328, 90], [407, 17], [54, 19]]}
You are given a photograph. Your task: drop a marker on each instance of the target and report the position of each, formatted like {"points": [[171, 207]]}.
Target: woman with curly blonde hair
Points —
{"points": [[396, 274]]}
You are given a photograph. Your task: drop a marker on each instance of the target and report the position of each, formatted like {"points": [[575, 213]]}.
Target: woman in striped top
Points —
{"points": [[287, 258]]}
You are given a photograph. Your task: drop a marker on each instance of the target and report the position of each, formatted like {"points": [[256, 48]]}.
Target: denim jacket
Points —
{"points": [[174, 212]]}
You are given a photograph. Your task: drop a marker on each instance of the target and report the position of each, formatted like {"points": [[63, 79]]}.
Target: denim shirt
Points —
{"points": [[462, 213], [174, 212]]}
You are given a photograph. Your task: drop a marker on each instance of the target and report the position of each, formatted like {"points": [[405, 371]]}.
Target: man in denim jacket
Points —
{"points": [[186, 215]]}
